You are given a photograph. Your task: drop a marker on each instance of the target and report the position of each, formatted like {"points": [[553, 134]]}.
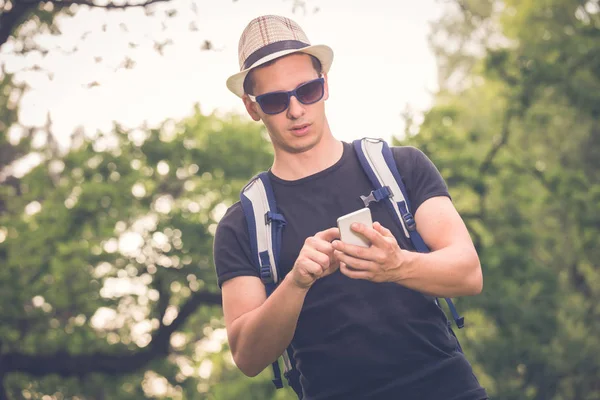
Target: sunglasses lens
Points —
{"points": [[274, 103], [310, 92]]}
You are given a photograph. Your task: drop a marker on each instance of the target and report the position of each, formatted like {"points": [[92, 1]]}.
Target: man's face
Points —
{"points": [[300, 127]]}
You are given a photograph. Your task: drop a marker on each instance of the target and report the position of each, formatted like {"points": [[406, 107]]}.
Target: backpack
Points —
{"points": [[265, 227]]}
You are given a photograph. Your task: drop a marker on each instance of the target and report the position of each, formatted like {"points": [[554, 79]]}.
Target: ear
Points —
{"points": [[251, 108], [326, 87]]}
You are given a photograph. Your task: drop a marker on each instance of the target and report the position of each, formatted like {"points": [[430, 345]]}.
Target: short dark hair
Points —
{"points": [[249, 81]]}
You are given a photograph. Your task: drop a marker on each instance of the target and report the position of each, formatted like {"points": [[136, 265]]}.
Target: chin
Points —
{"points": [[304, 143]]}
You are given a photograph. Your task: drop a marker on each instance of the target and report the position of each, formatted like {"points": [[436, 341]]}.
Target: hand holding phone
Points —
{"points": [[316, 259], [347, 235]]}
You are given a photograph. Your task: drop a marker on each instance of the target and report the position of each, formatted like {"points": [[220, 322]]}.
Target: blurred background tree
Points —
{"points": [[107, 285], [107, 277], [107, 282], [515, 130]]}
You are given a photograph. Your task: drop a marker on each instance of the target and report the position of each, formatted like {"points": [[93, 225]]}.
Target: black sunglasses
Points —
{"points": [[276, 102]]}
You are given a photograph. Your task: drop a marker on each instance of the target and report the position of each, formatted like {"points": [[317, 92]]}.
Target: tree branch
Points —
{"points": [[65, 364], [164, 299], [467, 10], [580, 282], [45, 267], [489, 158], [162, 335], [90, 3], [10, 20]]}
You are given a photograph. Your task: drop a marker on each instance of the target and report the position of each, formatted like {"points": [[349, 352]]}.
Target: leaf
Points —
{"points": [[206, 45]]}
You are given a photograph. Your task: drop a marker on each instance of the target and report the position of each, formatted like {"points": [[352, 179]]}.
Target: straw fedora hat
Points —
{"points": [[269, 37]]}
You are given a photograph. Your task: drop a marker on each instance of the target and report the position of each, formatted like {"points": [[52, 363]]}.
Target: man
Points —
{"points": [[362, 321]]}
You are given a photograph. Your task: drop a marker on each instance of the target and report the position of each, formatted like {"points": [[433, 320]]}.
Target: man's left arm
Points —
{"points": [[451, 269]]}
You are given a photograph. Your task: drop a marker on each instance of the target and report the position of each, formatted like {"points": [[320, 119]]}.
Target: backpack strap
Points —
{"points": [[378, 162], [265, 227]]}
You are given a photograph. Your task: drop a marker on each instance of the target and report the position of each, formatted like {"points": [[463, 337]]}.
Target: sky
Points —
{"points": [[382, 64]]}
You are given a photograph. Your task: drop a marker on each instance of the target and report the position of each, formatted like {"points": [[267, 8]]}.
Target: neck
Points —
{"points": [[292, 166]]}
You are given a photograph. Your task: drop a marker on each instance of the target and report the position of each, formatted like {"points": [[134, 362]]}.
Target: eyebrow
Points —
{"points": [[300, 84]]}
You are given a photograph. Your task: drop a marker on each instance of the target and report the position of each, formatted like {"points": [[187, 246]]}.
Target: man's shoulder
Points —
{"points": [[233, 216], [235, 212], [232, 252], [409, 158], [404, 152]]}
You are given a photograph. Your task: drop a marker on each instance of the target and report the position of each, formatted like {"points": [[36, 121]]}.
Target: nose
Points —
{"points": [[296, 109]]}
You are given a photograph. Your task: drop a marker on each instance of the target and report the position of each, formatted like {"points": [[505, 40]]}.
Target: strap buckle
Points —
{"points": [[271, 216], [376, 195], [265, 268], [411, 225], [265, 274]]}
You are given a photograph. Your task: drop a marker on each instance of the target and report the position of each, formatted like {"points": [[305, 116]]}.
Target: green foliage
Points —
{"points": [[518, 144], [104, 246]]}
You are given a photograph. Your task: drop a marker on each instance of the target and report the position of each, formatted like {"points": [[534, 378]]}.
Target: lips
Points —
{"points": [[300, 130], [300, 126]]}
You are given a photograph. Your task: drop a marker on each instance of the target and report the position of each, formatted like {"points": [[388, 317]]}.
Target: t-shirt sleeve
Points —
{"points": [[231, 247], [421, 177]]}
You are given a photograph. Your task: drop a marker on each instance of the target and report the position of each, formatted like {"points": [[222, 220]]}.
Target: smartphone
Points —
{"points": [[347, 235]]}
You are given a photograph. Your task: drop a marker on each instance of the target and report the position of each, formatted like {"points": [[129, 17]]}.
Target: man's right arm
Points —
{"points": [[259, 329]]}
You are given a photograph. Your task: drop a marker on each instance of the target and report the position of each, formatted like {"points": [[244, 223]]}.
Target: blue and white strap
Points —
{"points": [[265, 228], [378, 162], [258, 202]]}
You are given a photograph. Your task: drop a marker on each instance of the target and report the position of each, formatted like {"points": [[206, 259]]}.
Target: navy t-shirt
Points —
{"points": [[356, 339]]}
